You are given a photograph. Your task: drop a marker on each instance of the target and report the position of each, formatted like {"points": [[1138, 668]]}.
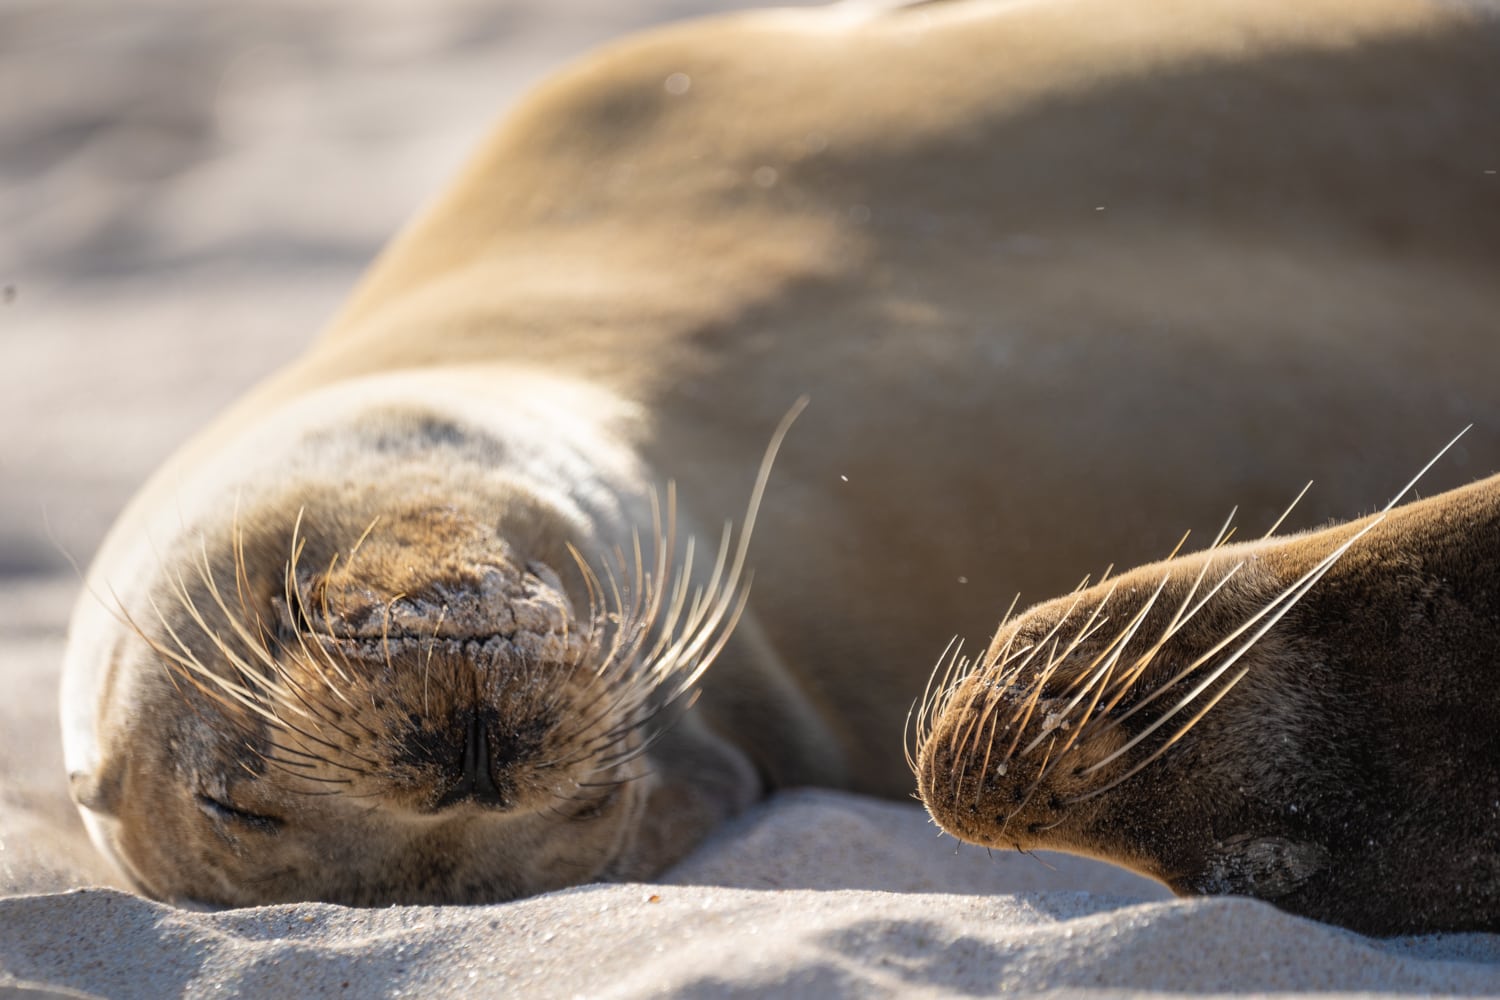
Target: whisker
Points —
{"points": [[918, 708], [992, 653], [1287, 513], [1273, 612]]}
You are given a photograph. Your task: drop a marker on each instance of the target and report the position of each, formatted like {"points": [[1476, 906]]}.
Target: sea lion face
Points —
{"points": [[386, 677], [416, 712], [1307, 720], [1140, 721]]}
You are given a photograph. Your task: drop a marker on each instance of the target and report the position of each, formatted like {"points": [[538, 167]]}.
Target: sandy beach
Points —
{"points": [[188, 188]]}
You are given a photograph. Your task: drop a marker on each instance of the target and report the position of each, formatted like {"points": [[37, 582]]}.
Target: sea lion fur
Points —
{"points": [[1059, 279], [1310, 720]]}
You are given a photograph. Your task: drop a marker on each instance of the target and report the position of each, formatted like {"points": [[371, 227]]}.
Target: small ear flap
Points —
{"points": [[99, 791]]}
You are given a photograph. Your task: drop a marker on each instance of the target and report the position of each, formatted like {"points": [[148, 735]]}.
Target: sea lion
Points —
{"points": [[1057, 278], [1311, 720]]}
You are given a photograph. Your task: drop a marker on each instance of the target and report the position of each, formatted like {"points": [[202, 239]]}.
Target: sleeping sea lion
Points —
{"points": [[406, 623]]}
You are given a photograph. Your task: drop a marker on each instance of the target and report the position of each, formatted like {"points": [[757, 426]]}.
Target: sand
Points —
{"points": [[187, 189]]}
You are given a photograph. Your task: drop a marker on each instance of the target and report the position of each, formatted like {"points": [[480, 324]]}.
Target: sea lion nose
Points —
{"points": [[476, 782], [481, 600]]}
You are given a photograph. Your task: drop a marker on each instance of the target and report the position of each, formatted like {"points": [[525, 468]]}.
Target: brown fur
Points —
{"points": [[1346, 768], [1059, 278]]}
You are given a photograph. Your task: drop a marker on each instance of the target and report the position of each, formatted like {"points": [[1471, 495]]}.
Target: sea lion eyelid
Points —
{"points": [[224, 813]]}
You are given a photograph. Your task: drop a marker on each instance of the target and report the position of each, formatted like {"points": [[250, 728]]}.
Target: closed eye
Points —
{"points": [[595, 805], [225, 814]]}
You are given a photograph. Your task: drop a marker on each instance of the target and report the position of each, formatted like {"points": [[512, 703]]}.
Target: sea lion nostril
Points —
{"points": [[476, 776], [478, 781], [292, 617]]}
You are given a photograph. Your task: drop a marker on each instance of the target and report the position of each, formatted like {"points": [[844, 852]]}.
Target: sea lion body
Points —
{"points": [[1058, 280], [1345, 766]]}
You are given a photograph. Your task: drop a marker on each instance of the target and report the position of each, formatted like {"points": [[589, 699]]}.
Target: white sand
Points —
{"points": [[187, 187]]}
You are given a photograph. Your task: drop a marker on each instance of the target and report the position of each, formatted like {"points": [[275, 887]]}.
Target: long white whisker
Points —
{"points": [[1424, 470], [1287, 513], [1283, 603]]}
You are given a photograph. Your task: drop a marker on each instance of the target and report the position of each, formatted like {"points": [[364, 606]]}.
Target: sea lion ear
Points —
{"points": [[98, 791]]}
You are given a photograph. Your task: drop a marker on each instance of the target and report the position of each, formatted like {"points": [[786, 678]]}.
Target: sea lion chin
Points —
{"points": [[1309, 720]]}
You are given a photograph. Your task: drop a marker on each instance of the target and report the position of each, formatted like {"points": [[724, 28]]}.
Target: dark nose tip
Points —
{"points": [[476, 783]]}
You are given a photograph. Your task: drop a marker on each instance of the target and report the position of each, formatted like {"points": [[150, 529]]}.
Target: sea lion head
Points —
{"points": [[1308, 720], [402, 664], [1145, 721]]}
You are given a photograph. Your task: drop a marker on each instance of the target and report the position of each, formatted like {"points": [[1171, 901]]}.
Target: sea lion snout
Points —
{"points": [[433, 640], [431, 573], [1004, 767], [1070, 701], [526, 605], [476, 756]]}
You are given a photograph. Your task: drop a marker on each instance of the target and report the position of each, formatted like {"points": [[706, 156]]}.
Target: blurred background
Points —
{"points": [[187, 190]]}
